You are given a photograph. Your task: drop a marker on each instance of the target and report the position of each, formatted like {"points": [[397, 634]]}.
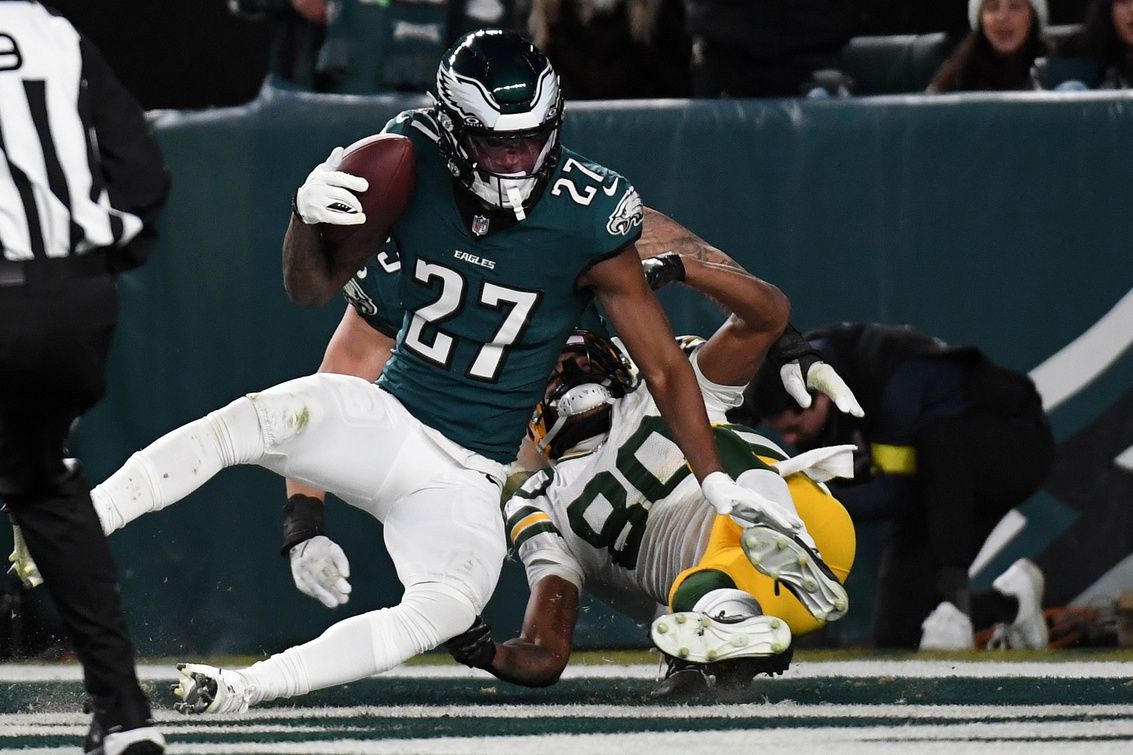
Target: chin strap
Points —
{"points": [[516, 203]]}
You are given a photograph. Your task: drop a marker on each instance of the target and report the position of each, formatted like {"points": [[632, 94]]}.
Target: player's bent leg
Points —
{"points": [[832, 530], [450, 533], [178, 463], [352, 649], [336, 424], [790, 561]]}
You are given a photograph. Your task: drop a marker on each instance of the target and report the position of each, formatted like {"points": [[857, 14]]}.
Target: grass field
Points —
{"points": [[1065, 702]]}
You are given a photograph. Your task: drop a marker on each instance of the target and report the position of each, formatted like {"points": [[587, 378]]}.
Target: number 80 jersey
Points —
{"points": [[489, 302], [629, 517]]}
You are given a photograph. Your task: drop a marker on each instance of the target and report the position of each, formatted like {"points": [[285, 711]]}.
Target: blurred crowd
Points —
{"points": [[625, 49]]}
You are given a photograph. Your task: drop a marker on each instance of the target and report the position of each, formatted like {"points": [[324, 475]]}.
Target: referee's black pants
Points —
{"points": [[55, 337]]}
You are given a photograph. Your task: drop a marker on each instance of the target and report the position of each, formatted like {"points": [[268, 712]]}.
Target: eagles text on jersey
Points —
{"points": [[486, 315]]}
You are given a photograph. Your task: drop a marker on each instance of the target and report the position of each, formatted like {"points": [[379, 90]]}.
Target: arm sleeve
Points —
{"points": [[137, 179]]}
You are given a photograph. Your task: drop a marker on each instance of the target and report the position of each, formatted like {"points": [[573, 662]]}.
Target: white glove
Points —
{"points": [[22, 564], [327, 194], [320, 569], [823, 378], [746, 507]]}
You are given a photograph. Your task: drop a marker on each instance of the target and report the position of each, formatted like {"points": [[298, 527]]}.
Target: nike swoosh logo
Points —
{"points": [[613, 187]]}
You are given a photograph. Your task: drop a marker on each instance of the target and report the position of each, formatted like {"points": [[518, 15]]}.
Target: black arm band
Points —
{"points": [[665, 268], [792, 345], [304, 517]]}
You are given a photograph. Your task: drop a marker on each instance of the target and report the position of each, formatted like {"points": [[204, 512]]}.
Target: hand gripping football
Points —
{"points": [[388, 162]]}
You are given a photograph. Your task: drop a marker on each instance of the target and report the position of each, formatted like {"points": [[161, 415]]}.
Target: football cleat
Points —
{"points": [[207, 689], [696, 637], [790, 561], [718, 655], [145, 740], [140, 740], [684, 681]]}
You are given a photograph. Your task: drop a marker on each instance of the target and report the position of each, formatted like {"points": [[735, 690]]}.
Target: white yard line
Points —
{"points": [[899, 669], [254, 720], [999, 738]]}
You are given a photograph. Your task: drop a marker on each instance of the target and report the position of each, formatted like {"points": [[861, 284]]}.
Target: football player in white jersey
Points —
{"points": [[619, 513], [360, 348]]}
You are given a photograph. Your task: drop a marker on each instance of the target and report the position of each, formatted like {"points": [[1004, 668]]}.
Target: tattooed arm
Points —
{"points": [[660, 234], [314, 270], [741, 345]]}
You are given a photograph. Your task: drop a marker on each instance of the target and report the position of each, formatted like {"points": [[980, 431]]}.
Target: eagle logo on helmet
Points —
{"points": [[499, 105]]}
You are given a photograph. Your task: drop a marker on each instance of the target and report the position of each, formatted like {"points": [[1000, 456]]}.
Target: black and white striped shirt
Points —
{"points": [[79, 168]]}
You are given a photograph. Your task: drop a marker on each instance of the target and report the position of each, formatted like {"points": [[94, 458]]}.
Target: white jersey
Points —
{"points": [[627, 518]]}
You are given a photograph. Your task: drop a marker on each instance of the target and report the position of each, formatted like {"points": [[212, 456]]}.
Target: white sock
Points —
{"points": [[364, 645], [728, 601], [178, 463]]}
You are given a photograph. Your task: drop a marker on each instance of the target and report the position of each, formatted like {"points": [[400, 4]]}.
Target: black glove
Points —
{"points": [[663, 269], [791, 346], [802, 370], [473, 647]]}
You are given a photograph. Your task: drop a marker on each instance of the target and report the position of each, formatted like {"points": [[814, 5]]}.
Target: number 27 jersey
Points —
{"points": [[490, 303]]}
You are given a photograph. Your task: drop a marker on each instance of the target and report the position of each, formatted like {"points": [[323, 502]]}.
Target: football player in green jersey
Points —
{"points": [[508, 237]]}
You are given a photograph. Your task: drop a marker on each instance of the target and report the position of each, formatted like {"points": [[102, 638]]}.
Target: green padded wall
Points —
{"points": [[1002, 221]]}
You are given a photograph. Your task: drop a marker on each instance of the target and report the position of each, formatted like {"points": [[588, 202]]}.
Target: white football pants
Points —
{"points": [[441, 516]]}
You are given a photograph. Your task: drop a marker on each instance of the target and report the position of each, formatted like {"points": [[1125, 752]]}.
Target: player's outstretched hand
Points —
{"points": [[320, 568], [473, 647], [327, 196], [802, 376], [746, 507]]}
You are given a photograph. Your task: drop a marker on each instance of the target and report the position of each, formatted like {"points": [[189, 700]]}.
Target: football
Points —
{"points": [[388, 162]]}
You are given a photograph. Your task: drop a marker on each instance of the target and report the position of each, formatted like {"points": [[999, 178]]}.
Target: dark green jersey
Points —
{"points": [[489, 302], [373, 291]]}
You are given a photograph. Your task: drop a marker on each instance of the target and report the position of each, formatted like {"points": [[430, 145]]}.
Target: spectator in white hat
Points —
{"points": [[1000, 51]]}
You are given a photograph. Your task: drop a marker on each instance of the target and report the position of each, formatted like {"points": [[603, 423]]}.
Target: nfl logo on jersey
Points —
{"points": [[479, 225]]}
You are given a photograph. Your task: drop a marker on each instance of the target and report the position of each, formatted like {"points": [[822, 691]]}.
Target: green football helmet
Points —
{"points": [[498, 104]]}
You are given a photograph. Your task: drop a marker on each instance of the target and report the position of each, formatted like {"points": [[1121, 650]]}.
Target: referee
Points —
{"points": [[81, 183]]}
